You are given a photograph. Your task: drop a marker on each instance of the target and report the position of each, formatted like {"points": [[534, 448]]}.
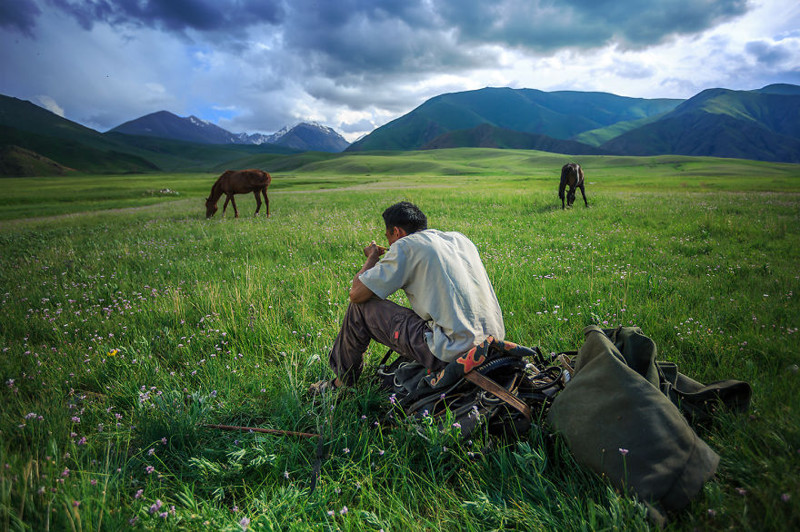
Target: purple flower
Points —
{"points": [[456, 425], [164, 440], [623, 452], [65, 473], [76, 503], [156, 506], [244, 523], [138, 494], [344, 510], [76, 419], [149, 469], [785, 497], [712, 512]]}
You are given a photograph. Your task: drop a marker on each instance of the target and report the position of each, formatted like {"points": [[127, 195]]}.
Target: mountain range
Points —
{"points": [[762, 124], [163, 124]]}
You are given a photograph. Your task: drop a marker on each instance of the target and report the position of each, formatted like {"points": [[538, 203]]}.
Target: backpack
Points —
{"points": [[503, 384]]}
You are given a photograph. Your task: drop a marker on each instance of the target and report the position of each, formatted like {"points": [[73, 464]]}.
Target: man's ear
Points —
{"points": [[399, 232]]}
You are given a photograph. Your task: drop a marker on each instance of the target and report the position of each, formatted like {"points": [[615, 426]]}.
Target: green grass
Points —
{"points": [[128, 319]]}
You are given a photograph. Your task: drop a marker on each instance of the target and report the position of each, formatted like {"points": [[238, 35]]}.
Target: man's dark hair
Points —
{"points": [[406, 216]]}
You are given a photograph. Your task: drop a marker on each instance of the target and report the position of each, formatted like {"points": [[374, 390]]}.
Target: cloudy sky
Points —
{"points": [[258, 65]]}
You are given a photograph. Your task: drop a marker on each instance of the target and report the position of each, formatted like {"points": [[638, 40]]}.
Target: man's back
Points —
{"points": [[446, 284]]}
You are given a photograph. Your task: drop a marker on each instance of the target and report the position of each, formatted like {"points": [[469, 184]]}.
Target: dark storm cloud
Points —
{"points": [[19, 15], [174, 15], [546, 26], [767, 53]]}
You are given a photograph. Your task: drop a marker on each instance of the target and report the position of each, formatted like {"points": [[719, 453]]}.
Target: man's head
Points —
{"points": [[406, 217]]}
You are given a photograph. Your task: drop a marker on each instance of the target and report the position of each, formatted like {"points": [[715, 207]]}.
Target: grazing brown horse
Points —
{"points": [[238, 182], [572, 175]]}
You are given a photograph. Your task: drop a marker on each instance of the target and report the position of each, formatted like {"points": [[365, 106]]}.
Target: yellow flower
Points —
{"points": [[113, 352]]}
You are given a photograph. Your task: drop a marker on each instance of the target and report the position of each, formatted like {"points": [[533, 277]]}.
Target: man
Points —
{"points": [[453, 304]]}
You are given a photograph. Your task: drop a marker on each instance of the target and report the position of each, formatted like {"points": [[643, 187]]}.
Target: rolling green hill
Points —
{"points": [[487, 136], [761, 125], [560, 115]]}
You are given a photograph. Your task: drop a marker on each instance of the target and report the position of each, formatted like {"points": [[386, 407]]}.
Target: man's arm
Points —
{"points": [[358, 290]]}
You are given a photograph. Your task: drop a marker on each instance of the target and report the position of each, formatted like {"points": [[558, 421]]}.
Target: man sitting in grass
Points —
{"points": [[453, 304]]}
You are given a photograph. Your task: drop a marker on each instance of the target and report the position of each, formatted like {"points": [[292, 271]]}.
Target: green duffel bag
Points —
{"points": [[616, 420]]}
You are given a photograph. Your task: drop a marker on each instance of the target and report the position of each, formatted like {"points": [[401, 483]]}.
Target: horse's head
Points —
{"points": [[570, 197], [211, 207]]}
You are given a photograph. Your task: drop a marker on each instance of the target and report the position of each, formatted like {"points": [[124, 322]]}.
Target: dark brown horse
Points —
{"points": [[572, 175], [238, 182]]}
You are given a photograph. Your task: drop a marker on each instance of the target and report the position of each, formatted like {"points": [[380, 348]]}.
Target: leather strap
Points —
{"points": [[492, 387]]}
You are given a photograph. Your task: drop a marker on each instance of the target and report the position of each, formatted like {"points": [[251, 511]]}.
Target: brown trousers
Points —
{"points": [[388, 323]]}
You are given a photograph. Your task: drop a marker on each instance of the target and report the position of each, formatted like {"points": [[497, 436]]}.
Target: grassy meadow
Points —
{"points": [[128, 320]]}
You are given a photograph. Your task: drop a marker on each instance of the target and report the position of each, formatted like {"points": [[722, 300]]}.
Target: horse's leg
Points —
{"points": [[258, 202], [583, 193], [228, 198], [561, 195], [266, 199], [235, 210]]}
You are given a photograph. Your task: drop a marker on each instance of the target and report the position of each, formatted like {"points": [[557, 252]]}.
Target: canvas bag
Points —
{"points": [[617, 421]]}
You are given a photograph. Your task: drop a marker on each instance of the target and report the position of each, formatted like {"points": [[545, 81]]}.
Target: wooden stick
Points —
{"points": [[267, 431]]}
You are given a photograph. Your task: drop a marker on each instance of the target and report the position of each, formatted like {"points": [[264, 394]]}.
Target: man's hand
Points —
{"points": [[358, 291], [374, 249]]}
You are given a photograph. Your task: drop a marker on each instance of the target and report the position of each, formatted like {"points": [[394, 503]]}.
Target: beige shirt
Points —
{"points": [[446, 284]]}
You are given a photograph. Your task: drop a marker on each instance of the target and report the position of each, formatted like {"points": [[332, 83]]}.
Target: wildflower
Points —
{"points": [[164, 440], [76, 419], [82, 441], [741, 491], [344, 510], [381, 452], [65, 473], [213, 393], [244, 523], [346, 450], [156, 506], [93, 482], [712, 512], [163, 515], [151, 452], [623, 452], [785, 497], [138, 494], [393, 398], [149, 469], [235, 509], [286, 475], [75, 504], [113, 352], [456, 425], [132, 521], [330, 513]]}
